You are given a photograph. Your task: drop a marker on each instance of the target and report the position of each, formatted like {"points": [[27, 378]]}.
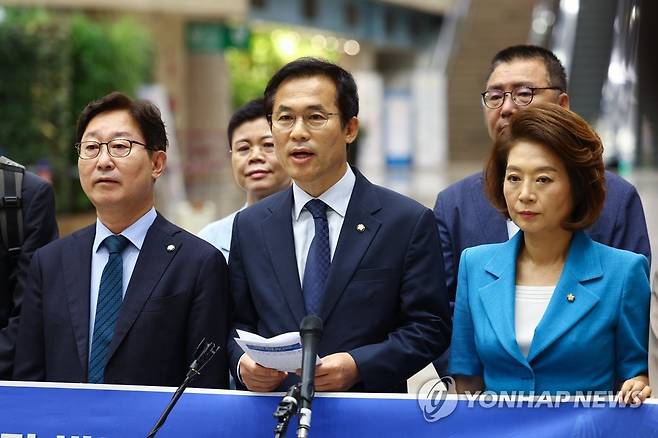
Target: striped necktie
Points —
{"points": [[110, 296]]}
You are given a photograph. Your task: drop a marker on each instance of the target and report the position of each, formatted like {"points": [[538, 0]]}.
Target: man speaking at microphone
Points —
{"points": [[365, 259]]}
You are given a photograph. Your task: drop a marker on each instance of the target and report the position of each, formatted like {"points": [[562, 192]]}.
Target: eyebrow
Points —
{"points": [[310, 107], [538, 169], [116, 134], [514, 85], [246, 140]]}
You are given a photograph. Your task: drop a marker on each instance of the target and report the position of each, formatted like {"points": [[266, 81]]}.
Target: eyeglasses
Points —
{"points": [[312, 119], [117, 148], [521, 96]]}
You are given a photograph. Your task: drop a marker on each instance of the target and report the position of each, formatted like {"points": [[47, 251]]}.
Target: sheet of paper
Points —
{"points": [[282, 352]]}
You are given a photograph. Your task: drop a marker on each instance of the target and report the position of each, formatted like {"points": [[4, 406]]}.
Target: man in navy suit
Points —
{"points": [[521, 76], [128, 299], [39, 228], [361, 257]]}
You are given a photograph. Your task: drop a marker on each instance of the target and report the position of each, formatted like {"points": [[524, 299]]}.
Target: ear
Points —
{"points": [[158, 163], [351, 130], [563, 100]]}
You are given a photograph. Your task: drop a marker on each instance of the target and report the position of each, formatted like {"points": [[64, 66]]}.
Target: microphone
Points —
{"points": [[311, 333], [286, 409], [202, 355]]}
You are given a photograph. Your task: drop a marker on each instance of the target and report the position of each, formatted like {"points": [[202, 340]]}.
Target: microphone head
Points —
{"points": [[311, 324]]}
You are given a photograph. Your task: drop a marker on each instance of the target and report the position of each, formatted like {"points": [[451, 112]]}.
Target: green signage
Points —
{"points": [[215, 38]]}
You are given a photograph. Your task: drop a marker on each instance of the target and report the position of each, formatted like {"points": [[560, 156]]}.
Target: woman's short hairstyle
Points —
{"points": [[574, 142]]}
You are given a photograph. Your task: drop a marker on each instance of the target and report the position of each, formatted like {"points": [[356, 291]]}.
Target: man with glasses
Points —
{"points": [[521, 76], [127, 299], [359, 256]]}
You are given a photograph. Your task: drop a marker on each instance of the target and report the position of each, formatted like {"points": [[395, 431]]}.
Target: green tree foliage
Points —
{"points": [[35, 83], [268, 51], [108, 56], [52, 66]]}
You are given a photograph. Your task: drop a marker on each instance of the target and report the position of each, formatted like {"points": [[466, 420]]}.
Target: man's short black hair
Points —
{"points": [[146, 115], [252, 110], [556, 74], [347, 97]]}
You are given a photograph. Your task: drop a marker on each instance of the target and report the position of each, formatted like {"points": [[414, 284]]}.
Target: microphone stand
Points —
{"points": [[204, 352], [286, 410], [310, 331]]}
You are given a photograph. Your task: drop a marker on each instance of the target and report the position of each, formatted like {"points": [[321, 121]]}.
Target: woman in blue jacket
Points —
{"points": [[550, 309]]}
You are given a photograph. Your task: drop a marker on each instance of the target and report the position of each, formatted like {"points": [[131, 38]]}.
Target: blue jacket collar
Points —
{"points": [[583, 263]]}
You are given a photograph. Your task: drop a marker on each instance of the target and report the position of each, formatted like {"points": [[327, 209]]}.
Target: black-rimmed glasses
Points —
{"points": [[521, 96], [117, 148]]}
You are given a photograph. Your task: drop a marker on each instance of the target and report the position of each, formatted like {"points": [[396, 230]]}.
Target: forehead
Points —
{"points": [[111, 124], [531, 72], [252, 130], [306, 92], [530, 155]]}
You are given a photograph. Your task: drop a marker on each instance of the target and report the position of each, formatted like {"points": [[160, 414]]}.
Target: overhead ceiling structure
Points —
{"points": [[438, 7], [234, 9]]}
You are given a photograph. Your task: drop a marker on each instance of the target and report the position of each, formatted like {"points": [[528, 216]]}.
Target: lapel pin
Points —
{"points": [[171, 248], [360, 228], [571, 298]]}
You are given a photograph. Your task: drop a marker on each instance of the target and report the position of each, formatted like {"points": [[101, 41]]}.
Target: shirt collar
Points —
{"points": [[135, 233], [337, 197]]}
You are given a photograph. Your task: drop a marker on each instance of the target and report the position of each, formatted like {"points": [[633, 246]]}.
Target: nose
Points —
{"points": [[527, 193], [299, 131], [256, 154], [509, 107], [104, 160]]}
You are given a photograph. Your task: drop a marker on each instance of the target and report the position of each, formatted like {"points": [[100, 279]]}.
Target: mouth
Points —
{"points": [[258, 173], [104, 181], [528, 214], [301, 155]]}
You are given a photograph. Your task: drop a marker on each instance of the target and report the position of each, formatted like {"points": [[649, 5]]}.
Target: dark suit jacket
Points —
{"points": [[465, 218], [385, 302], [39, 228], [174, 299]]}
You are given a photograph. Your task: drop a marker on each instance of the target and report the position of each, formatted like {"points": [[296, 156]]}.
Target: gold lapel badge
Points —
{"points": [[360, 228], [571, 298], [171, 248]]}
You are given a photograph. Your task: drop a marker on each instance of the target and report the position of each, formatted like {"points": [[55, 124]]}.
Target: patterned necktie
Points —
{"points": [[318, 259], [110, 296]]}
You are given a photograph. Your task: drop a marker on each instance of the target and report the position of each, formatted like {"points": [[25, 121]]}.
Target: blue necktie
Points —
{"points": [[110, 296], [318, 259]]}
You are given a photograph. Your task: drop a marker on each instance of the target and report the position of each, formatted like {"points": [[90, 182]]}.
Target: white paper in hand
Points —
{"points": [[282, 352]]}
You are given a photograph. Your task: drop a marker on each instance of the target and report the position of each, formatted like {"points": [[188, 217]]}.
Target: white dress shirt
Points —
{"points": [[135, 233], [337, 198], [219, 233], [512, 229]]}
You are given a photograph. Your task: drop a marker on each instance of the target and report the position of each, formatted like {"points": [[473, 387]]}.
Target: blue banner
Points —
{"points": [[108, 411]]}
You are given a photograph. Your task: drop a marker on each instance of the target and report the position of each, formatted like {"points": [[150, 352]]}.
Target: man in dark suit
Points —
{"points": [[521, 76], [361, 257], [39, 228], [128, 299]]}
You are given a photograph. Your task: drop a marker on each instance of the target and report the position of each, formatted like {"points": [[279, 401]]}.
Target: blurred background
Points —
{"points": [[419, 64]]}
